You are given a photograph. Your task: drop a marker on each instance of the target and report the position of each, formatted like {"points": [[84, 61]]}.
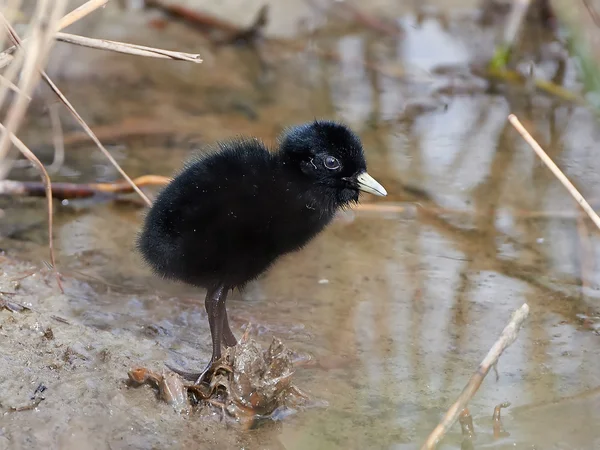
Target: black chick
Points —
{"points": [[226, 217]]}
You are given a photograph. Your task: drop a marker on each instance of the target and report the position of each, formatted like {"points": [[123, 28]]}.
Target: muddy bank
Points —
{"points": [[64, 385]]}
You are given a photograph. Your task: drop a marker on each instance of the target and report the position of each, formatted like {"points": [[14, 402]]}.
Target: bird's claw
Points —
{"points": [[196, 377], [200, 377]]}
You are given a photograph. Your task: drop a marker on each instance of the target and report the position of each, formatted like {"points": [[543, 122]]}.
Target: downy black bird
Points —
{"points": [[227, 216]]}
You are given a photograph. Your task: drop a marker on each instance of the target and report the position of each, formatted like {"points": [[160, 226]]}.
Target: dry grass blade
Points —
{"points": [[48, 187], [508, 336], [554, 168], [12, 86], [80, 12], [131, 49], [42, 26], [12, 11], [75, 15], [89, 131], [10, 74], [85, 126], [57, 139]]}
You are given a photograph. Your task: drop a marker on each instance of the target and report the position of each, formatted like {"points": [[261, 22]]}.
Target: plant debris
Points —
{"points": [[11, 306], [498, 428], [248, 384]]}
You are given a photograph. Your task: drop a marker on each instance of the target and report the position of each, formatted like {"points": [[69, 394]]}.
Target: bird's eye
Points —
{"points": [[331, 163]]}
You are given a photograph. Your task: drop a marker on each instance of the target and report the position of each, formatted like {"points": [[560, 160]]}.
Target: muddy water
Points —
{"points": [[396, 306]]}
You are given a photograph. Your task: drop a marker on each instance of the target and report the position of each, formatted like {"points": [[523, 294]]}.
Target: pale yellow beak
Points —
{"points": [[368, 184]]}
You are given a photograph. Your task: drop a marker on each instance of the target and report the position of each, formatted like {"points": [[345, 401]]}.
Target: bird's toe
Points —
{"points": [[196, 377]]}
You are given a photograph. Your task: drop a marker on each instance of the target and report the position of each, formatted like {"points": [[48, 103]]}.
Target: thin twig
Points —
{"points": [[518, 11], [514, 77], [29, 407], [80, 12], [41, 43], [75, 15], [514, 22], [12, 86], [64, 191], [57, 139], [497, 419], [123, 47], [11, 9], [48, 191], [466, 424], [554, 168], [94, 138], [85, 126], [508, 336]]}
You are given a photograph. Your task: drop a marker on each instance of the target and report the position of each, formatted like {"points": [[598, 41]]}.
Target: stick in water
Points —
{"points": [[554, 168], [508, 336]]}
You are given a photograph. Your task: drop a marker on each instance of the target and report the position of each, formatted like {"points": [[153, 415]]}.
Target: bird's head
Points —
{"points": [[332, 155]]}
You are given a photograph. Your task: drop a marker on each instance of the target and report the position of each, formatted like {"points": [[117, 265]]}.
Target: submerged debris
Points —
{"points": [[249, 384], [468, 431], [9, 305], [498, 428], [35, 399], [170, 386], [466, 424]]}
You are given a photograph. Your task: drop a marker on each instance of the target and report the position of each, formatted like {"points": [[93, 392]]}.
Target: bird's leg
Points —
{"points": [[217, 315], [228, 338], [215, 309]]}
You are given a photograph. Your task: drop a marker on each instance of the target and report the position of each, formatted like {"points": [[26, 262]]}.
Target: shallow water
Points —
{"points": [[398, 306]]}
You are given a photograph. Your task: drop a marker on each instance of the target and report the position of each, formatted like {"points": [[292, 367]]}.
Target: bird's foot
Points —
{"points": [[201, 377], [196, 377]]}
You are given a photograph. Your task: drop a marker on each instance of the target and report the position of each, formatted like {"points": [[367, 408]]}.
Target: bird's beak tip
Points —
{"points": [[368, 184]]}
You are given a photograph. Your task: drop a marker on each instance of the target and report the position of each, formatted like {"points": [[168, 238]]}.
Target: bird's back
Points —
{"points": [[228, 216]]}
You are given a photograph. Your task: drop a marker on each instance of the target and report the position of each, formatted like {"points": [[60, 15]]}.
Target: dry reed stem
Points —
{"points": [[89, 131], [82, 122], [48, 188], [11, 10], [10, 74], [12, 86], [78, 13], [123, 47], [508, 336], [42, 25], [518, 11], [57, 139], [554, 168]]}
